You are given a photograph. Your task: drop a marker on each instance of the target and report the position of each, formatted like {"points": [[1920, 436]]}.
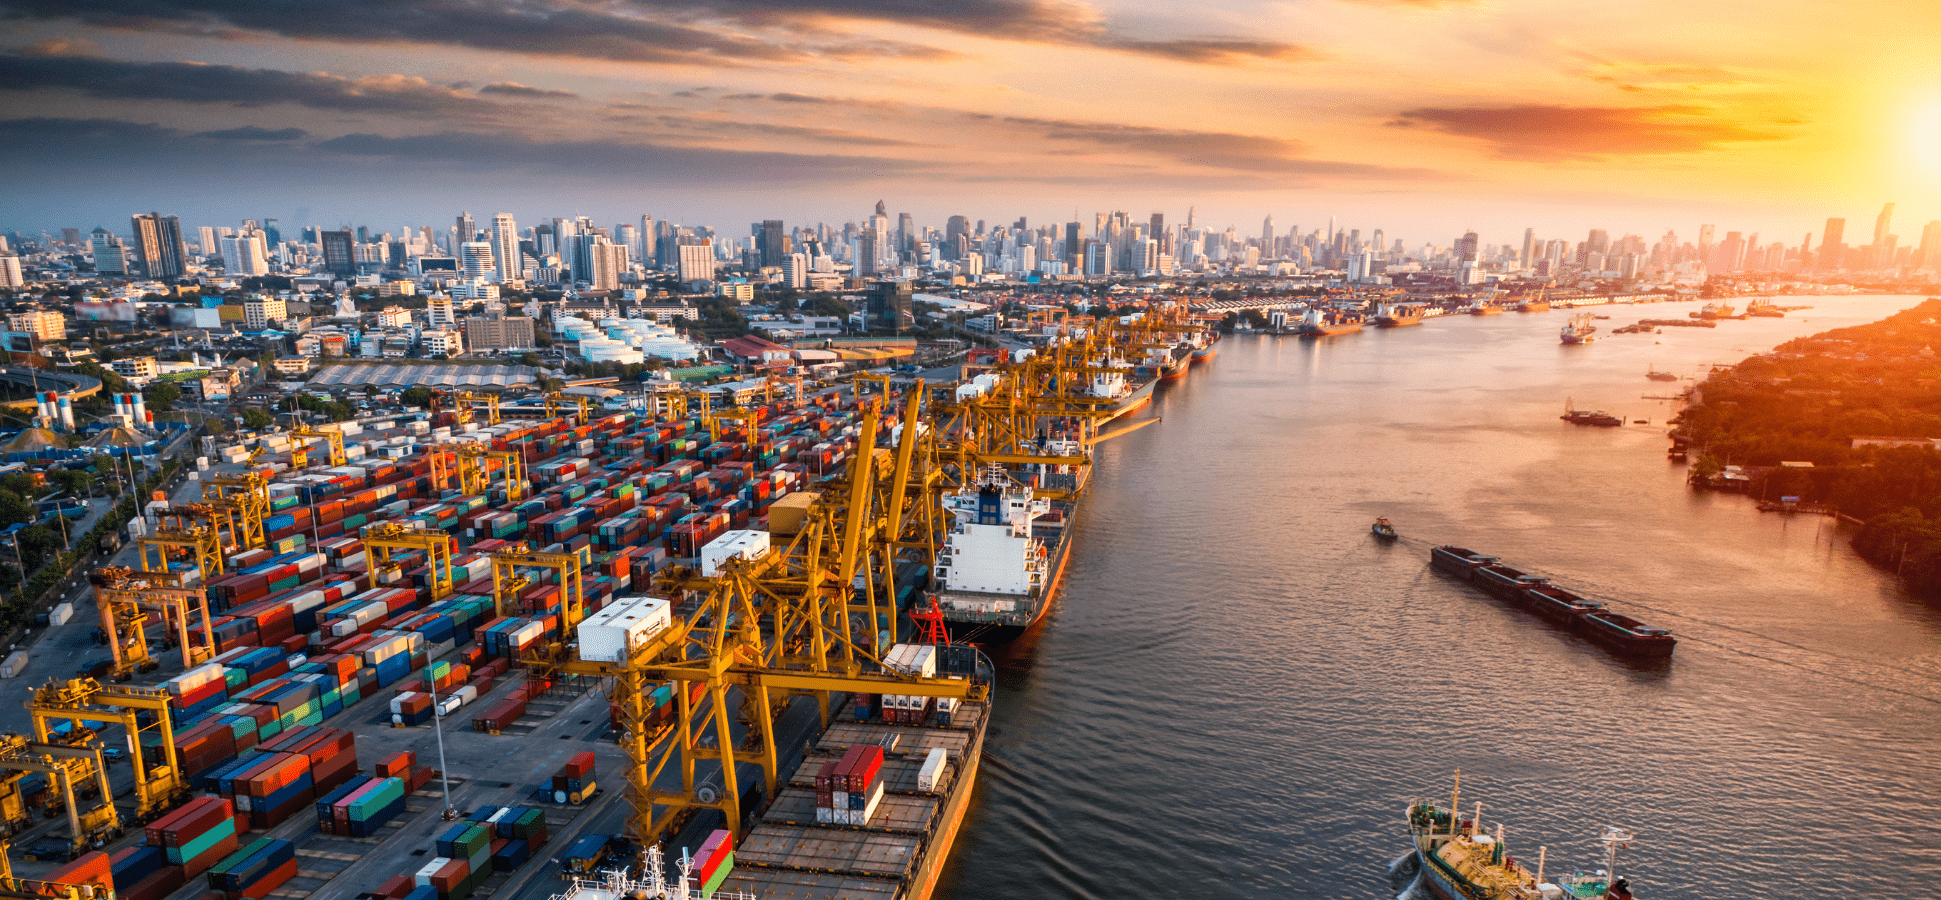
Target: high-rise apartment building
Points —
{"points": [[439, 312], [475, 259], [647, 250], [110, 257], [11, 275], [697, 260], [499, 332], [466, 228], [1529, 245], [1883, 224], [1075, 245], [505, 248], [605, 261], [339, 252], [205, 241], [245, 255], [159, 246], [1929, 254], [795, 271], [770, 240]]}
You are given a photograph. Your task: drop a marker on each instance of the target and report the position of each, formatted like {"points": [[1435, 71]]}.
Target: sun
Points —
{"points": [[1926, 134]]}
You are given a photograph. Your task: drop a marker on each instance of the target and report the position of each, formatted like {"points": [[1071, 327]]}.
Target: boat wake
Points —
{"points": [[1405, 877]]}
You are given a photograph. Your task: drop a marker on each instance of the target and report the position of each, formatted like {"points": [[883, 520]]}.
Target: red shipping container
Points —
{"points": [[580, 765], [397, 765], [396, 887], [181, 827], [89, 868], [868, 764], [156, 886]]}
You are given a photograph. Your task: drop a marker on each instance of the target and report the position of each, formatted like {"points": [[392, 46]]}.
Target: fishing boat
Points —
{"points": [[1383, 529], [1579, 330], [1461, 860]]}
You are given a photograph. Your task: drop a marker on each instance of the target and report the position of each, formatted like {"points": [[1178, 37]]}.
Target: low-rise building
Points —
{"points": [[44, 325], [259, 312], [136, 368], [442, 340], [499, 332], [216, 384], [293, 365]]}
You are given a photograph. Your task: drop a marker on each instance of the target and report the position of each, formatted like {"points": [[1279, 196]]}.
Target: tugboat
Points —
{"points": [[1383, 529], [1461, 860]]}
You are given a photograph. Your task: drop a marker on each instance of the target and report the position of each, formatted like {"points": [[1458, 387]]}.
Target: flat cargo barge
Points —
{"points": [[900, 851]]}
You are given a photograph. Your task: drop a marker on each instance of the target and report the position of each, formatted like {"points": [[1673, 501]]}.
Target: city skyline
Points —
{"points": [[1430, 117]]}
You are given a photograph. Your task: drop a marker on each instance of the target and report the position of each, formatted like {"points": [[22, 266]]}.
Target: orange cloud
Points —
{"points": [[1536, 132]]}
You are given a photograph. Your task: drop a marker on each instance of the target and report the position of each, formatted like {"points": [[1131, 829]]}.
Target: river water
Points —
{"points": [[1240, 690]]}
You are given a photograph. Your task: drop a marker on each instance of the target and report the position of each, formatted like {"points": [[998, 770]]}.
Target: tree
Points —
{"points": [[14, 508], [73, 481], [256, 420], [161, 395], [416, 396]]}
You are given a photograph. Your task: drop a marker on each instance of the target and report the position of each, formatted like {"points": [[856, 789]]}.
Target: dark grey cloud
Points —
{"points": [[515, 89], [1537, 132], [197, 83], [711, 32], [621, 160], [1212, 149], [253, 133], [770, 129]]}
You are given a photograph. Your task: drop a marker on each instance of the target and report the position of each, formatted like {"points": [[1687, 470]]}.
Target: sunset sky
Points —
{"points": [[1422, 118]]}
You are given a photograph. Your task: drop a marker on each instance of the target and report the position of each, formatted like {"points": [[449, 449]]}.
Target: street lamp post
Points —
{"points": [[438, 730]]}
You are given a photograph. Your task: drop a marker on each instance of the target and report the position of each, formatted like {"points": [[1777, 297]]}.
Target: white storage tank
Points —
{"points": [[607, 635]]}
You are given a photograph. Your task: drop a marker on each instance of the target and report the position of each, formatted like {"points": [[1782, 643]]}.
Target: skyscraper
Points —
{"points": [[159, 246], [1267, 237], [772, 243], [505, 248], [245, 254], [205, 241], [1929, 254], [1529, 245], [475, 259], [1833, 246], [697, 260], [468, 228], [1705, 244], [605, 259], [647, 250], [1075, 245], [1883, 223], [1467, 249], [272, 235], [337, 252], [110, 257]]}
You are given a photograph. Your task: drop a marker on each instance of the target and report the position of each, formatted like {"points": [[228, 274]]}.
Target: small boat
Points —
{"points": [[1599, 418], [1655, 375], [1383, 529]]}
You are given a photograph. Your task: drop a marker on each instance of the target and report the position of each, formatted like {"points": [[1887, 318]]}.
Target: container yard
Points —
{"points": [[321, 619]]}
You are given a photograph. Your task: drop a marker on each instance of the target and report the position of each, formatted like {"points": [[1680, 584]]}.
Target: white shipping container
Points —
{"points": [[608, 635], [825, 816], [749, 545], [16, 663], [933, 769], [448, 705], [202, 463], [61, 614], [423, 878]]}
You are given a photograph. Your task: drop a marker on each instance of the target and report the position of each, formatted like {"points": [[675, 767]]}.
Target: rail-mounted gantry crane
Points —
{"points": [[481, 400], [512, 572], [12, 888], [383, 539], [557, 402], [159, 783], [300, 447], [475, 479], [243, 502], [126, 598], [183, 533], [75, 773]]}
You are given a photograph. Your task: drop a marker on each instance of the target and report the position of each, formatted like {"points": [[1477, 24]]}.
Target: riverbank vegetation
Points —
{"points": [[1863, 406]]}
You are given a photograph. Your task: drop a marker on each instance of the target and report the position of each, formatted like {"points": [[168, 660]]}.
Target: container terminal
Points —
{"points": [[420, 659]]}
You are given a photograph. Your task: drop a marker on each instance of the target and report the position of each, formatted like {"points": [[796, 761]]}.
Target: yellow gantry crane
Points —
{"points": [[746, 421], [159, 783], [243, 502], [481, 400], [180, 531], [75, 772], [557, 402], [300, 449], [125, 599], [787, 624], [473, 478], [508, 580], [385, 538]]}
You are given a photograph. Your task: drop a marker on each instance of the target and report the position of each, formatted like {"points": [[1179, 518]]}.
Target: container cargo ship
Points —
{"points": [[999, 568], [1459, 859], [1391, 315], [1614, 631], [1318, 324], [1579, 330], [1534, 306], [1128, 388]]}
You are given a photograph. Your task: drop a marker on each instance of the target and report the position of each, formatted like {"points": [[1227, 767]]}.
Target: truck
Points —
{"points": [[584, 857]]}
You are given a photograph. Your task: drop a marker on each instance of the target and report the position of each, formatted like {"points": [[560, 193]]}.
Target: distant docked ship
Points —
{"points": [[1534, 306], [1579, 330], [1714, 310], [1394, 315], [1317, 324], [1486, 308], [1656, 375], [1459, 859], [1764, 309]]}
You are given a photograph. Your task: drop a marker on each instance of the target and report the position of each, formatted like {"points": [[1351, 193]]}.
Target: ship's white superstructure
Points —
{"points": [[617, 884], [990, 560]]}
